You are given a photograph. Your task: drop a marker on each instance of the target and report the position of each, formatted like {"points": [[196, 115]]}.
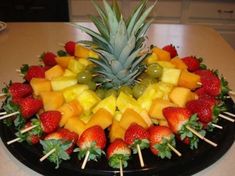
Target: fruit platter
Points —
{"points": [[114, 106]]}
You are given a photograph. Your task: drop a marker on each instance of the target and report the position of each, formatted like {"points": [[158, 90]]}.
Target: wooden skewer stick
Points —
{"points": [[18, 70], [46, 155], [229, 113], [174, 149], [121, 169], [140, 156], [2, 94], [61, 44], [232, 93], [13, 141], [3, 113], [85, 160], [9, 115], [226, 118], [28, 129], [217, 126], [201, 137]]}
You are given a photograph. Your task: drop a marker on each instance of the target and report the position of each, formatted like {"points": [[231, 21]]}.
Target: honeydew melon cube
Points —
{"points": [[40, 85], [54, 72], [170, 75], [63, 82], [109, 104], [73, 92], [75, 66]]}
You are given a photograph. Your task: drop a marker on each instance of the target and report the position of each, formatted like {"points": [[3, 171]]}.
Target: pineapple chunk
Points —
{"points": [[166, 88], [157, 106], [153, 58], [166, 64], [84, 61], [88, 99], [162, 54], [170, 75], [189, 80], [63, 82], [130, 116], [40, 85], [85, 117], [72, 92], [109, 104], [63, 61], [75, 66], [52, 100], [76, 125], [102, 117], [116, 131], [179, 63], [93, 54], [125, 101], [181, 95], [81, 51], [54, 72], [68, 72], [163, 123]]}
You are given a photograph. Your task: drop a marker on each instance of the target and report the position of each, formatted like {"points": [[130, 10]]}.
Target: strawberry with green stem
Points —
{"points": [[33, 71], [137, 138], [171, 49], [91, 144], [183, 123], [48, 59], [58, 146], [70, 47]]}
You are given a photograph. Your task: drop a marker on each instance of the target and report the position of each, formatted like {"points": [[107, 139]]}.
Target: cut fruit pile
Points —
{"points": [[108, 93]]}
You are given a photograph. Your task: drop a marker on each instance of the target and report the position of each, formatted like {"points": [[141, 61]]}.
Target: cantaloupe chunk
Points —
{"points": [[74, 124], [162, 54], [130, 116], [116, 131], [157, 106], [63, 82], [52, 100], [102, 118], [40, 85], [171, 75], [63, 61], [75, 66], [54, 72], [109, 103], [189, 80], [73, 92], [181, 95], [81, 51], [179, 63]]}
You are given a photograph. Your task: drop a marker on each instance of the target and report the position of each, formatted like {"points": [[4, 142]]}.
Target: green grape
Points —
{"points": [[90, 68], [138, 90], [146, 81], [111, 92], [125, 89], [100, 93], [84, 77], [154, 70], [142, 76], [91, 85]]}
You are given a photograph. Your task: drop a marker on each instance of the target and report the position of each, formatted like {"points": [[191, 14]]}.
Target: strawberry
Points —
{"points": [[63, 142], [118, 151], [171, 49], [50, 121], [34, 72], [30, 106], [19, 90], [160, 137], [92, 139], [70, 47], [192, 62], [48, 59], [178, 119], [33, 139], [136, 135]]}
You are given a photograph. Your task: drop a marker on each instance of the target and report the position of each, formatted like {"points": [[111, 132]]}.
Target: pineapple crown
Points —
{"points": [[118, 43]]}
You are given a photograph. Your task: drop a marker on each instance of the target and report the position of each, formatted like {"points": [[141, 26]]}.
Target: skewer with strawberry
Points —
{"points": [[162, 141], [33, 71], [118, 153], [47, 123], [137, 138], [183, 123], [58, 146], [91, 144]]}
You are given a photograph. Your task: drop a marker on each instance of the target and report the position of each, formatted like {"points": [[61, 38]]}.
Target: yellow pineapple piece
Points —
{"points": [[93, 54], [117, 115], [181, 95], [54, 72], [153, 58], [109, 104], [162, 54], [73, 92], [102, 117], [40, 85], [63, 82], [165, 88], [75, 66], [81, 51], [52, 100], [163, 123], [130, 116], [84, 61], [166, 64], [170, 75], [63, 61], [116, 131], [85, 117], [68, 72], [74, 124]]}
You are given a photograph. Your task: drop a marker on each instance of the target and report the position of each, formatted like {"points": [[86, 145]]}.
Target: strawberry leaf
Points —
{"points": [[61, 53], [163, 149], [38, 129], [143, 143], [114, 161], [19, 121], [24, 69]]}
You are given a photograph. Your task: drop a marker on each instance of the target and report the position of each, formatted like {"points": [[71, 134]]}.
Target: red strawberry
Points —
{"points": [[48, 59], [192, 62], [70, 47], [92, 139], [116, 151], [35, 72], [17, 100], [50, 121], [33, 139], [212, 86], [204, 73], [171, 49], [20, 90], [160, 137], [30, 106]]}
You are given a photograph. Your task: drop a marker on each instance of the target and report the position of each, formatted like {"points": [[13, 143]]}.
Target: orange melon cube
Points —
{"points": [[116, 131], [81, 51], [189, 80], [179, 63], [162, 54], [54, 72], [76, 125], [52, 100], [40, 85], [63, 61]]}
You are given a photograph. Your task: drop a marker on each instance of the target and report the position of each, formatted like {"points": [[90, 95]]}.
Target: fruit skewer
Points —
{"points": [[229, 113]]}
